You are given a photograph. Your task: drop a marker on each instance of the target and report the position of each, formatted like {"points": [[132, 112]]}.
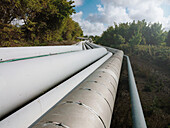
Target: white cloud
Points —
{"points": [[78, 16], [88, 27], [149, 12], [110, 11], [109, 17], [99, 8], [78, 2], [167, 1]]}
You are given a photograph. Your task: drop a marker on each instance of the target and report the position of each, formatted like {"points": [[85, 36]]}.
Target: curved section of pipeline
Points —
{"points": [[22, 81], [90, 104], [94, 45]]}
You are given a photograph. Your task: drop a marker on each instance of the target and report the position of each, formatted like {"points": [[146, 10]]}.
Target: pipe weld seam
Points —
{"points": [[113, 74], [54, 123], [88, 108], [113, 86], [104, 86], [112, 69], [89, 89]]}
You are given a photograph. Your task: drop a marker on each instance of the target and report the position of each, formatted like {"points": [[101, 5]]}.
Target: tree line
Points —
{"points": [[43, 21], [135, 33]]}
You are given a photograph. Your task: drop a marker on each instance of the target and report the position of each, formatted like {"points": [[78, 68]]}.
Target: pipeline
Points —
{"points": [[30, 78], [90, 104], [49, 99], [89, 96], [137, 112], [88, 47], [94, 45], [13, 53]]}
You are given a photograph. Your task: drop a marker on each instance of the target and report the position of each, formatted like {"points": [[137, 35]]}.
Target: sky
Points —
{"points": [[95, 16]]}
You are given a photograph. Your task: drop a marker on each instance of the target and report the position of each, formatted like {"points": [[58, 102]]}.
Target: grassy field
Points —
{"points": [[151, 66]]}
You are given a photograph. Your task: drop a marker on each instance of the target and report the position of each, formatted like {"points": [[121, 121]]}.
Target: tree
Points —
{"points": [[44, 20], [44, 15], [122, 30], [157, 36], [9, 10], [168, 39], [134, 33], [136, 39], [118, 39]]}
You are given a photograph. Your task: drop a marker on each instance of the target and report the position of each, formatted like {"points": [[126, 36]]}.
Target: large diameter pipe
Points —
{"points": [[27, 79], [34, 110], [137, 112], [113, 50], [90, 104], [24, 52]]}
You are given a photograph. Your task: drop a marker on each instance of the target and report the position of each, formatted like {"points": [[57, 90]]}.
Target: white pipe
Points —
{"points": [[23, 52], [94, 45], [87, 46], [22, 81], [27, 115], [90, 104], [83, 45]]}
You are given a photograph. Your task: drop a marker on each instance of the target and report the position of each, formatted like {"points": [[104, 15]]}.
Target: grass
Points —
{"points": [[151, 66]]}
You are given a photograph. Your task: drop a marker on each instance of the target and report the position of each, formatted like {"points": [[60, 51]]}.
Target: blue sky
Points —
{"points": [[87, 7], [94, 16], [166, 8]]}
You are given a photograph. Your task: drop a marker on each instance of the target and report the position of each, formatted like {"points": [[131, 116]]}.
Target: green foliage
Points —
{"points": [[158, 54], [9, 33], [135, 39], [119, 39], [44, 21], [135, 33], [71, 30], [157, 36], [9, 10], [168, 39], [94, 38]]}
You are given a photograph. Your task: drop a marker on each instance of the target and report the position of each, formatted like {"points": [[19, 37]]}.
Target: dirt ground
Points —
{"points": [[153, 84]]}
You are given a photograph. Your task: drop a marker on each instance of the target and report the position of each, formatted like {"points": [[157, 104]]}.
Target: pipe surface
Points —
{"points": [[90, 104], [24, 52], [137, 112], [25, 116], [94, 45], [27, 79], [87, 45]]}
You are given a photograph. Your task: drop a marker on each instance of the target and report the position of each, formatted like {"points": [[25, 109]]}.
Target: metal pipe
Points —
{"points": [[89, 47], [27, 79], [23, 52], [90, 104], [113, 50], [31, 112], [94, 45], [83, 46], [137, 112]]}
